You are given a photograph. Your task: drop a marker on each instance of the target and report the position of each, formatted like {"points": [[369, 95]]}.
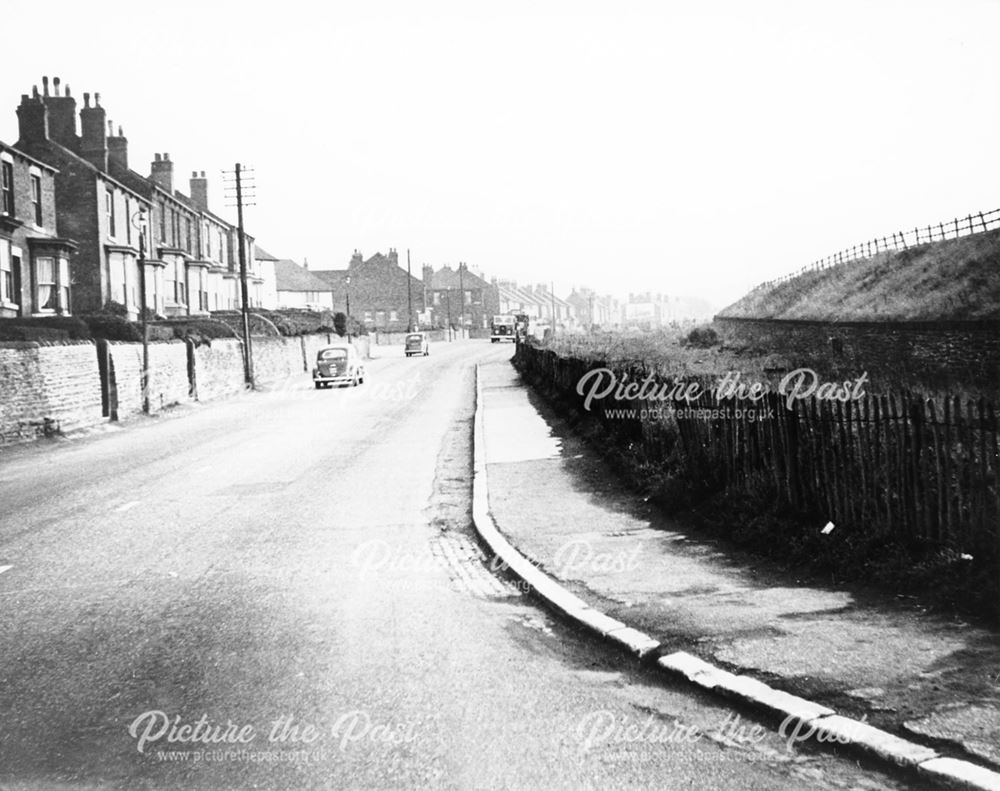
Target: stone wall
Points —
{"points": [[168, 375], [60, 384], [58, 387], [925, 355]]}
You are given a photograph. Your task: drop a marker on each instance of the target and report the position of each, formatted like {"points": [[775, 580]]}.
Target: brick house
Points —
{"points": [[93, 208], [34, 260], [380, 291], [460, 297], [191, 262]]}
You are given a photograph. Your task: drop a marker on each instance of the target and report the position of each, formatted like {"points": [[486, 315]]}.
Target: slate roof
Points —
{"points": [[448, 278], [292, 277]]}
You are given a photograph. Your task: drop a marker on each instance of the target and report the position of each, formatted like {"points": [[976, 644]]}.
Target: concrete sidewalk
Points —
{"points": [[930, 679]]}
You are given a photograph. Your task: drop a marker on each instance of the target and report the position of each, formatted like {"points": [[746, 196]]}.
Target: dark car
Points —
{"points": [[417, 343], [338, 364]]}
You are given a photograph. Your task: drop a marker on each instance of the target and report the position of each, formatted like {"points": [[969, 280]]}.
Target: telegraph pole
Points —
{"points": [[244, 294], [409, 295], [552, 293], [461, 290]]}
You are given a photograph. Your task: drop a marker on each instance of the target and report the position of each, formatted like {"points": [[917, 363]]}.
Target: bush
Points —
{"points": [[704, 337]]}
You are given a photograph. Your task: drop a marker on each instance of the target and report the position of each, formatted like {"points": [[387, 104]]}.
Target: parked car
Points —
{"points": [[417, 343], [338, 364]]}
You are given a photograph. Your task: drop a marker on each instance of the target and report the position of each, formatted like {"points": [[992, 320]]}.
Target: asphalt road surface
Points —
{"points": [[282, 591]]}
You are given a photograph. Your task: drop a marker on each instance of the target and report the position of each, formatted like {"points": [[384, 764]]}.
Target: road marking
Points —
{"points": [[5, 568], [129, 505]]}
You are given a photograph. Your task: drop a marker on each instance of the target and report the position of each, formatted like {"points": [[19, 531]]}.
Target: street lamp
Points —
{"points": [[139, 222]]}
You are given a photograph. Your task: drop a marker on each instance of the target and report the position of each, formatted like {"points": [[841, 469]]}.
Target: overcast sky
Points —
{"points": [[688, 148]]}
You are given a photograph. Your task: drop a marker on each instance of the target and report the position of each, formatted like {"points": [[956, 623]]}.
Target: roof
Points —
{"points": [[7, 147], [448, 278], [289, 276], [58, 150], [262, 255], [334, 278]]}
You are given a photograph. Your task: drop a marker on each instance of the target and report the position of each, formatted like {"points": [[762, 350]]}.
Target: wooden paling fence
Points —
{"points": [[894, 464], [898, 465]]}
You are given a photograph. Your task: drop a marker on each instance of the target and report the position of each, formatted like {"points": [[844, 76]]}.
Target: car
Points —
{"points": [[417, 343], [338, 364]]}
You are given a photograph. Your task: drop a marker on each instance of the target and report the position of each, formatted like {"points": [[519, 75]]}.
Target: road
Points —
{"points": [[282, 591]]}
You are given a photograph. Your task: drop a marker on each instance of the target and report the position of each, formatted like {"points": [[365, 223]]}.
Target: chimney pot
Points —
{"points": [[97, 100], [203, 174], [111, 128], [67, 89], [86, 99], [156, 157], [120, 133], [45, 85], [55, 85], [34, 91]]}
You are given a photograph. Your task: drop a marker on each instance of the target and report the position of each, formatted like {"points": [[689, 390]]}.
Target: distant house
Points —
{"points": [[514, 299], [460, 297], [593, 309], [380, 292], [297, 287], [34, 260]]}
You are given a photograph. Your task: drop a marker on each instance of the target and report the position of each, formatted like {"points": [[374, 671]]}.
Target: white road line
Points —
{"points": [[129, 505], [5, 568]]}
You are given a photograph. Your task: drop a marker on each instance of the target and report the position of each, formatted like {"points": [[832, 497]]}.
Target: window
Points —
{"points": [[46, 297], [7, 187], [379, 316], [393, 315], [109, 210], [6, 273], [368, 315], [187, 234], [163, 223], [128, 221], [36, 198], [180, 294], [436, 298]]}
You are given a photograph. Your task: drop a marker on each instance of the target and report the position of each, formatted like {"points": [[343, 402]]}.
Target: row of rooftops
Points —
{"points": [[48, 135]]}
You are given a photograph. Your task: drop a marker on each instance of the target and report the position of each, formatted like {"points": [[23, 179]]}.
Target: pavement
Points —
{"points": [[846, 667]]}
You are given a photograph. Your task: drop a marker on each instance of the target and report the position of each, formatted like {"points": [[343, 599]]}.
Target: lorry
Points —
{"points": [[503, 328]]}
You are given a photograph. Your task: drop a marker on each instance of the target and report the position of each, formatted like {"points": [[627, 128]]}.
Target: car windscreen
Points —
{"points": [[414, 338], [333, 354]]}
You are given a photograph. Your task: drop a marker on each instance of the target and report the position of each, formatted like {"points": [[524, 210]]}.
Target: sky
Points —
{"points": [[693, 149]]}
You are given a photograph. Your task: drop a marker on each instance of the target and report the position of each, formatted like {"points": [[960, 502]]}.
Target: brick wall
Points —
{"points": [[60, 383], [953, 354]]}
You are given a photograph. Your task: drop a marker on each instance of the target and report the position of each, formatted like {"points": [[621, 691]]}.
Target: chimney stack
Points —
{"points": [[32, 119], [62, 116], [356, 258], [162, 173], [199, 190], [93, 132], [428, 275], [118, 148], [393, 256]]}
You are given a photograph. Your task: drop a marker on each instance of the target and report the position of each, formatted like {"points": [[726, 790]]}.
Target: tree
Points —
{"points": [[340, 324]]}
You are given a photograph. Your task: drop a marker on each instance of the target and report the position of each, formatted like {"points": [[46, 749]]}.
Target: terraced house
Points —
{"points": [[91, 206], [190, 254], [34, 261]]}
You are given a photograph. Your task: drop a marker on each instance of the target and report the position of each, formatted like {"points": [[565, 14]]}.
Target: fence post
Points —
{"points": [[982, 220]]}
